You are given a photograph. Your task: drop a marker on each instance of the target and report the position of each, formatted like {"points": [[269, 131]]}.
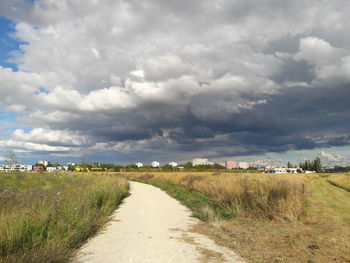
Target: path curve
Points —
{"points": [[152, 227]]}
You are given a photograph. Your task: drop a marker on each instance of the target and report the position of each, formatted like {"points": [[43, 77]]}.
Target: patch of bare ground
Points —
{"points": [[206, 255]]}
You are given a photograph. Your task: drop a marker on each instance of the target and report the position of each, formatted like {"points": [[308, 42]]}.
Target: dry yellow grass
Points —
{"points": [[340, 180], [253, 195]]}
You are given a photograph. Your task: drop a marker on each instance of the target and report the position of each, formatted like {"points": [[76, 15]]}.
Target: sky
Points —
{"points": [[126, 81]]}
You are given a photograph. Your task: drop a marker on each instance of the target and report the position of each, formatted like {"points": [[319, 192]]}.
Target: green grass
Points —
{"points": [[44, 218], [330, 200]]}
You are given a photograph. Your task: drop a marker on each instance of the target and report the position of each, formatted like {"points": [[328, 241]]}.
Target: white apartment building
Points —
{"points": [[173, 164], [283, 170], [199, 161], [155, 164], [243, 165], [55, 169], [51, 169], [139, 165], [16, 167]]}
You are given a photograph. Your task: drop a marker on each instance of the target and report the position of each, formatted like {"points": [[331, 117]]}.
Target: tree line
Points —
{"points": [[314, 165]]}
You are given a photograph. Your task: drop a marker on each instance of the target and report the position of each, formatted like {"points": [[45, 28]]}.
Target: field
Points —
{"points": [[264, 217], [45, 217]]}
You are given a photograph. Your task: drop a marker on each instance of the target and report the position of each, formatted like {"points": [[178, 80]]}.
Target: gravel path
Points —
{"points": [[151, 227]]}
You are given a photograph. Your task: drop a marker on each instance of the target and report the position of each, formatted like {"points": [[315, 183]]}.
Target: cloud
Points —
{"points": [[330, 157], [219, 77], [29, 146], [54, 137]]}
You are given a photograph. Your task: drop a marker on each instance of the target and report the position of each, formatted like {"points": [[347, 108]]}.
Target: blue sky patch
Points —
{"points": [[7, 43]]}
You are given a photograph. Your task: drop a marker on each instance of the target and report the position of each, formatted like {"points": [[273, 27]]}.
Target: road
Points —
{"points": [[152, 227]]}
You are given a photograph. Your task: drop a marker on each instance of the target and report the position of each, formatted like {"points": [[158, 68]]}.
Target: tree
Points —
{"points": [[11, 158], [317, 164]]}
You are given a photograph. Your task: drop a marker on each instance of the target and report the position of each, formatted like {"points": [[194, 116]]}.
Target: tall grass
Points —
{"points": [[245, 195], [43, 218]]}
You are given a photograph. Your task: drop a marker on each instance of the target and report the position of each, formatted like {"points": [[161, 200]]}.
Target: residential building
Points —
{"points": [[283, 170], [16, 167], [199, 161], [155, 164], [38, 168], [243, 165], [51, 169], [223, 164], [173, 164], [26, 167], [139, 165], [231, 164]]}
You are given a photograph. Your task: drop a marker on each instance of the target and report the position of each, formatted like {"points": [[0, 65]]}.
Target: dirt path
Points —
{"points": [[152, 227]]}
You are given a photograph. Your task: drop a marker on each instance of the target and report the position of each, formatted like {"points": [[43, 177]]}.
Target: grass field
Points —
{"points": [[45, 217], [266, 218]]}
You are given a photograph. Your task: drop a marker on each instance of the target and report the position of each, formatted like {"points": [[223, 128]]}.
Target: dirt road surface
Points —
{"points": [[152, 227]]}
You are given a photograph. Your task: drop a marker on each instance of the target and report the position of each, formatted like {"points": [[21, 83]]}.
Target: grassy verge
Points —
{"points": [[44, 218], [242, 195], [319, 232], [201, 206], [340, 180]]}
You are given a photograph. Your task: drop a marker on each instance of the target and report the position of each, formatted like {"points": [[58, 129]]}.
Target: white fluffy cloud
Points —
{"points": [[331, 64], [333, 158], [40, 135]]}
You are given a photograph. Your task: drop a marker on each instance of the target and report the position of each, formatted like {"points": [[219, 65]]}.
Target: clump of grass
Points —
{"points": [[43, 218]]}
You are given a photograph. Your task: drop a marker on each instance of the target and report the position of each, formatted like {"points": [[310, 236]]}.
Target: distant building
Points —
{"points": [[51, 169], [45, 163], [38, 168], [231, 164], [284, 170], [173, 164], [16, 168], [243, 165], [310, 172], [155, 164], [139, 165], [223, 164], [70, 164], [199, 161]]}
